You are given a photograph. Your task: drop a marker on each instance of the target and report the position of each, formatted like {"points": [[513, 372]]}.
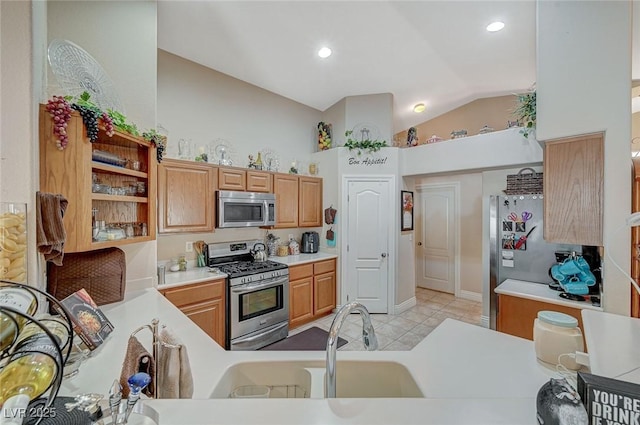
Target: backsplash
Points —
{"points": [[170, 246]]}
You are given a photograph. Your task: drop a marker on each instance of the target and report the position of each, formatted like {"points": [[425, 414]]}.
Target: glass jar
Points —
{"points": [[182, 263], [13, 241]]}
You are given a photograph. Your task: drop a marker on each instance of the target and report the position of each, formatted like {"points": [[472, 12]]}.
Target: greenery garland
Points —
{"points": [[369, 145]]}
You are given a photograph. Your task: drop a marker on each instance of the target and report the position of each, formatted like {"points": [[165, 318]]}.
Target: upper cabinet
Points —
{"points": [[573, 189], [259, 181], [285, 187], [115, 177], [186, 196], [232, 179], [298, 201], [310, 202]]}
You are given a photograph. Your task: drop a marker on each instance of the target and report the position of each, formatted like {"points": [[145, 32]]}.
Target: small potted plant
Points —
{"points": [[525, 112]]}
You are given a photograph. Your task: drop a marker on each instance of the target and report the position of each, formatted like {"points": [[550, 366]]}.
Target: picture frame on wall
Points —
{"points": [[406, 210]]}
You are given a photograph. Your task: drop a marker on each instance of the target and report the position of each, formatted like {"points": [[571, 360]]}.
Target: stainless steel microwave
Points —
{"points": [[245, 209]]}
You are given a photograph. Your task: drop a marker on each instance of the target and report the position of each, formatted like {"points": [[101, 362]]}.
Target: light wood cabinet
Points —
{"points": [[232, 179], [285, 187], [312, 291], [300, 301], [204, 304], [259, 181], [70, 172], [298, 201], [516, 315], [309, 202], [573, 190], [186, 196]]}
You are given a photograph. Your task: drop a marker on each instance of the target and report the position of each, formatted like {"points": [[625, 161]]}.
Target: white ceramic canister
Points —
{"points": [[554, 334]]}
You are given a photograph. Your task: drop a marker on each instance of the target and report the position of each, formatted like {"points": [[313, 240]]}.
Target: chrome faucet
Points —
{"points": [[368, 337]]}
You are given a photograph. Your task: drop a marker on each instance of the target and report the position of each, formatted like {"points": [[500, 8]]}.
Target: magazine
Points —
{"points": [[89, 322]]}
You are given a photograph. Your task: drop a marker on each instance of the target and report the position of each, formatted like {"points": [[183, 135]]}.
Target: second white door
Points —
{"points": [[368, 244], [435, 262]]}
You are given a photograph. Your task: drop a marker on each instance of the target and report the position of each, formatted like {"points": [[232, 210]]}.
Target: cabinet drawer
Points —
{"points": [[324, 266], [259, 181], [299, 272], [231, 179], [195, 293]]}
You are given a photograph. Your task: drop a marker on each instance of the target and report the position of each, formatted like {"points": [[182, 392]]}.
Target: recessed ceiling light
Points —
{"points": [[495, 26], [419, 108], [324, 52]]}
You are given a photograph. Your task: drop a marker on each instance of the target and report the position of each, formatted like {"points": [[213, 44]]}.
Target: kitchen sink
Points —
{"points": [[305, 379]]}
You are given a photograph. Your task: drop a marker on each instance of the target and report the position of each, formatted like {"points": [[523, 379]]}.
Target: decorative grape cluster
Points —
{"points": [[108, 124], [60, 112], [159, 151], [90, 119]]}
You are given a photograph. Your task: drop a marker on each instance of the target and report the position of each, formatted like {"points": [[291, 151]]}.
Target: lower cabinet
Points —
{"points": [[516, 315], [312, 291], [204, 304]]}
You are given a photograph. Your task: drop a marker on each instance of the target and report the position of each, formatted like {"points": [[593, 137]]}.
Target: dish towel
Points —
{"points": [[50, 233], [175, 379], [137, 359]]}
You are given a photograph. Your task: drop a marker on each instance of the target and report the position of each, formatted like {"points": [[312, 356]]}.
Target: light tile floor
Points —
{"points": [[405, 330]]}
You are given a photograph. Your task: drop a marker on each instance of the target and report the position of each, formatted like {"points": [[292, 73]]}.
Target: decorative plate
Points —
{"points": [[365, 131], [77, 71], [222, 153], [270, 160]]}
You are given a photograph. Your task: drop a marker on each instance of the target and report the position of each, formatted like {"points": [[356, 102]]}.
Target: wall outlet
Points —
{"points": [[189, 247]]}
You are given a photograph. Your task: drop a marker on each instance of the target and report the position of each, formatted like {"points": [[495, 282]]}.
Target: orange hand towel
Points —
{"points": [[50, 233]]}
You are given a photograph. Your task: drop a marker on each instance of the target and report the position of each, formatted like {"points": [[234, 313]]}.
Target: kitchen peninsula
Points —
{"points": [[462, 376]]}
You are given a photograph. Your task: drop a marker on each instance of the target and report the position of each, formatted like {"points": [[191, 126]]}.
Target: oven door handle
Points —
{"points": [[260, 285], [261, 334]]}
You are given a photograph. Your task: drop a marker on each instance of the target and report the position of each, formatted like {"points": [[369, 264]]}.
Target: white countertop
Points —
{"points": [[293, 260], [202, 274], [192, 275], [539, 292], [468, 374]]}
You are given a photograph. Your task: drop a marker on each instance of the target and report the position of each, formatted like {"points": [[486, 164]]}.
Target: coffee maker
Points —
{"points": [[310, 242]]}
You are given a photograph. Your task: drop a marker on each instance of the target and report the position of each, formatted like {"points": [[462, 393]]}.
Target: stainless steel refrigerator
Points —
{"points": [[518, 250]]}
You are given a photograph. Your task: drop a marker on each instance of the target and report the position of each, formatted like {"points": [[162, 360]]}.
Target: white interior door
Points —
{"points": [[368, 244], [435, 245]]}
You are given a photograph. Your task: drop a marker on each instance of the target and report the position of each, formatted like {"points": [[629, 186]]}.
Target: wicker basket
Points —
{"points": [[102, 273], [524, 183]]}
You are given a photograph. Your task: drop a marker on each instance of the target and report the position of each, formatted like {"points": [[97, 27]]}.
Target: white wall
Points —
{"points": [[372, 109], [121, 37], [18, 122], [584, 85], [203, 105]]}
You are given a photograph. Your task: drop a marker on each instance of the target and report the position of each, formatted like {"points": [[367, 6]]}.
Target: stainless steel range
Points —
{"points": [[257, 297]]}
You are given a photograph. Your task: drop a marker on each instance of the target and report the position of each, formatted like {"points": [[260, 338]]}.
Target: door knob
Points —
{"points": [[384, 254], [419, 243]]}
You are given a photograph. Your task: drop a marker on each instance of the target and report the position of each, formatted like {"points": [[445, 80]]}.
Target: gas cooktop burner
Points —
{"points": [[244, 268]]}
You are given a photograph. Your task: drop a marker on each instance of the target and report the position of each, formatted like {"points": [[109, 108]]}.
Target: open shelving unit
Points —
{"points": [[71, 172]]}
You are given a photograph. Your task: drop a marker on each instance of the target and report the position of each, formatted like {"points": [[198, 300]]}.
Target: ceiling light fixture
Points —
{"points": [[419, 108], [324, 52], [495, 26]]}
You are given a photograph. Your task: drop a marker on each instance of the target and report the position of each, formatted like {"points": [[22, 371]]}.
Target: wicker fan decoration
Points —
{"points": [[77, 71]]}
